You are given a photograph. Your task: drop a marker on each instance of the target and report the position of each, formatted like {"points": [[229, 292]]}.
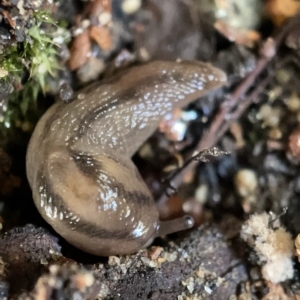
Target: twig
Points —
{"points": [[200, 156], [235, 105]]}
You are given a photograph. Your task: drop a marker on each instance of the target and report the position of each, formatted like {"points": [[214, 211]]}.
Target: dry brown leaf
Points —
{"points": [[240, 36], [80, 50], [101, 36]]}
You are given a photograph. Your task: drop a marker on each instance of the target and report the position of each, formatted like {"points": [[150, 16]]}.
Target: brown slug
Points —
{"points": [[79, 165]]}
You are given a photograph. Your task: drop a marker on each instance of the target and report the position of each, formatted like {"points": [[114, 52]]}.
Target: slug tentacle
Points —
{"points": [[79, 158], [175, 225]]}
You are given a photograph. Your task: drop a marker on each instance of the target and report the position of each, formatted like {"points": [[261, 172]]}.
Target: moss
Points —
{"points": [[26, 66]]}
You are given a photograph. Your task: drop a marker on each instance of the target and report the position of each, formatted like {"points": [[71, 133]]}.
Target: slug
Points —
{"points": [[79, 165]]}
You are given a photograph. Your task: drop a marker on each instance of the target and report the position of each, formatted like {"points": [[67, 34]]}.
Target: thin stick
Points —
{"points": [[235, 105]]}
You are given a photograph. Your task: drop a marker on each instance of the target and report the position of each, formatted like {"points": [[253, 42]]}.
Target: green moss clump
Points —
{"points": [[27, 65]]}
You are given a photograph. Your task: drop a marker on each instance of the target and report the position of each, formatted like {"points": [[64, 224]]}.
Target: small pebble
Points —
{"points": [[275, 133], [44, 261], [131, 6], [66, 92], [201, 193], [104, 291], [171, 256], [269, 115], [283, 76], [293, 103], [91, 69], [245, 182], [208, 290], [114, 261]]}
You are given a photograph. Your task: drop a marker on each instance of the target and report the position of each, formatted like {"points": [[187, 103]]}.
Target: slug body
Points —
{"points": [[79, 164]]}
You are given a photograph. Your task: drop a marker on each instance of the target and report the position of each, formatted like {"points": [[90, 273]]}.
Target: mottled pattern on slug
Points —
{"points": [[79, 158]]}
